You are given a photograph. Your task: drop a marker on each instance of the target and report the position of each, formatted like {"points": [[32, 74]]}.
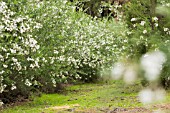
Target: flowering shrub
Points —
{"points": [[48, 42], [77, 46], [64, 46], [17, 48]]}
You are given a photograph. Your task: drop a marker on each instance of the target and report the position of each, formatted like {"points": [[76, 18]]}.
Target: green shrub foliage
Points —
{"points": [[17, 48], [44, 43]]}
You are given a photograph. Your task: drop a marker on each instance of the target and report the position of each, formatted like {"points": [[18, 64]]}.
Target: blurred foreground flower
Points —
{"points": [[152, 63], [118, 70], [128, 73], [148, 96]]}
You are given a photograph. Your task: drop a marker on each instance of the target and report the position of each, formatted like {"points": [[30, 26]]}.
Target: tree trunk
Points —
{"points": [[152, 10], [153, 7]]}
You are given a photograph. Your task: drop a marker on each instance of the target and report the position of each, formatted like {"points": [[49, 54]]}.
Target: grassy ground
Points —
{"points": [[83, 98]]}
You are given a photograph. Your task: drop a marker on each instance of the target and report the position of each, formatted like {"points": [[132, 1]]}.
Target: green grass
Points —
{"points": [[88, 96]]}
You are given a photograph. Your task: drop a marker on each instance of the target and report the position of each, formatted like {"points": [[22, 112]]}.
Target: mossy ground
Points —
{"points": [[98, 97]]}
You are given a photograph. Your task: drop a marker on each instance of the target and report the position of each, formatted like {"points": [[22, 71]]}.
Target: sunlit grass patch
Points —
{"points": [[90, 97], [87, 96]]}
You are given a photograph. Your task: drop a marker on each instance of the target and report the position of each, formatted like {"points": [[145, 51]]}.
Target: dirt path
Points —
{"points": [[159, 108]]}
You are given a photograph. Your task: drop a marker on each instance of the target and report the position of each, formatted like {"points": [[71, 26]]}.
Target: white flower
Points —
{"points": [[156, 24], [35, 82], [142, 23], [13, 87], [144, 31], [134, 25], [19, 19], [13, 50], [26, 52], [38, 26], [32, 66], [27, 82], [148, 96], [5, 66], [36, 64], [2, 72], [4, 49], [14, 59], [125, 40], [141, 37], [2, 87], [166, 29], [155, 18], [37, 47], [30, 59], [129, 33], [32, 42], [168, 4], [56, 52], [133, 19]]}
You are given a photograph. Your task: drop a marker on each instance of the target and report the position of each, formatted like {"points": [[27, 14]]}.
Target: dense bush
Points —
{"points": [[44, 43], [77, 44], [17, 49]]}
